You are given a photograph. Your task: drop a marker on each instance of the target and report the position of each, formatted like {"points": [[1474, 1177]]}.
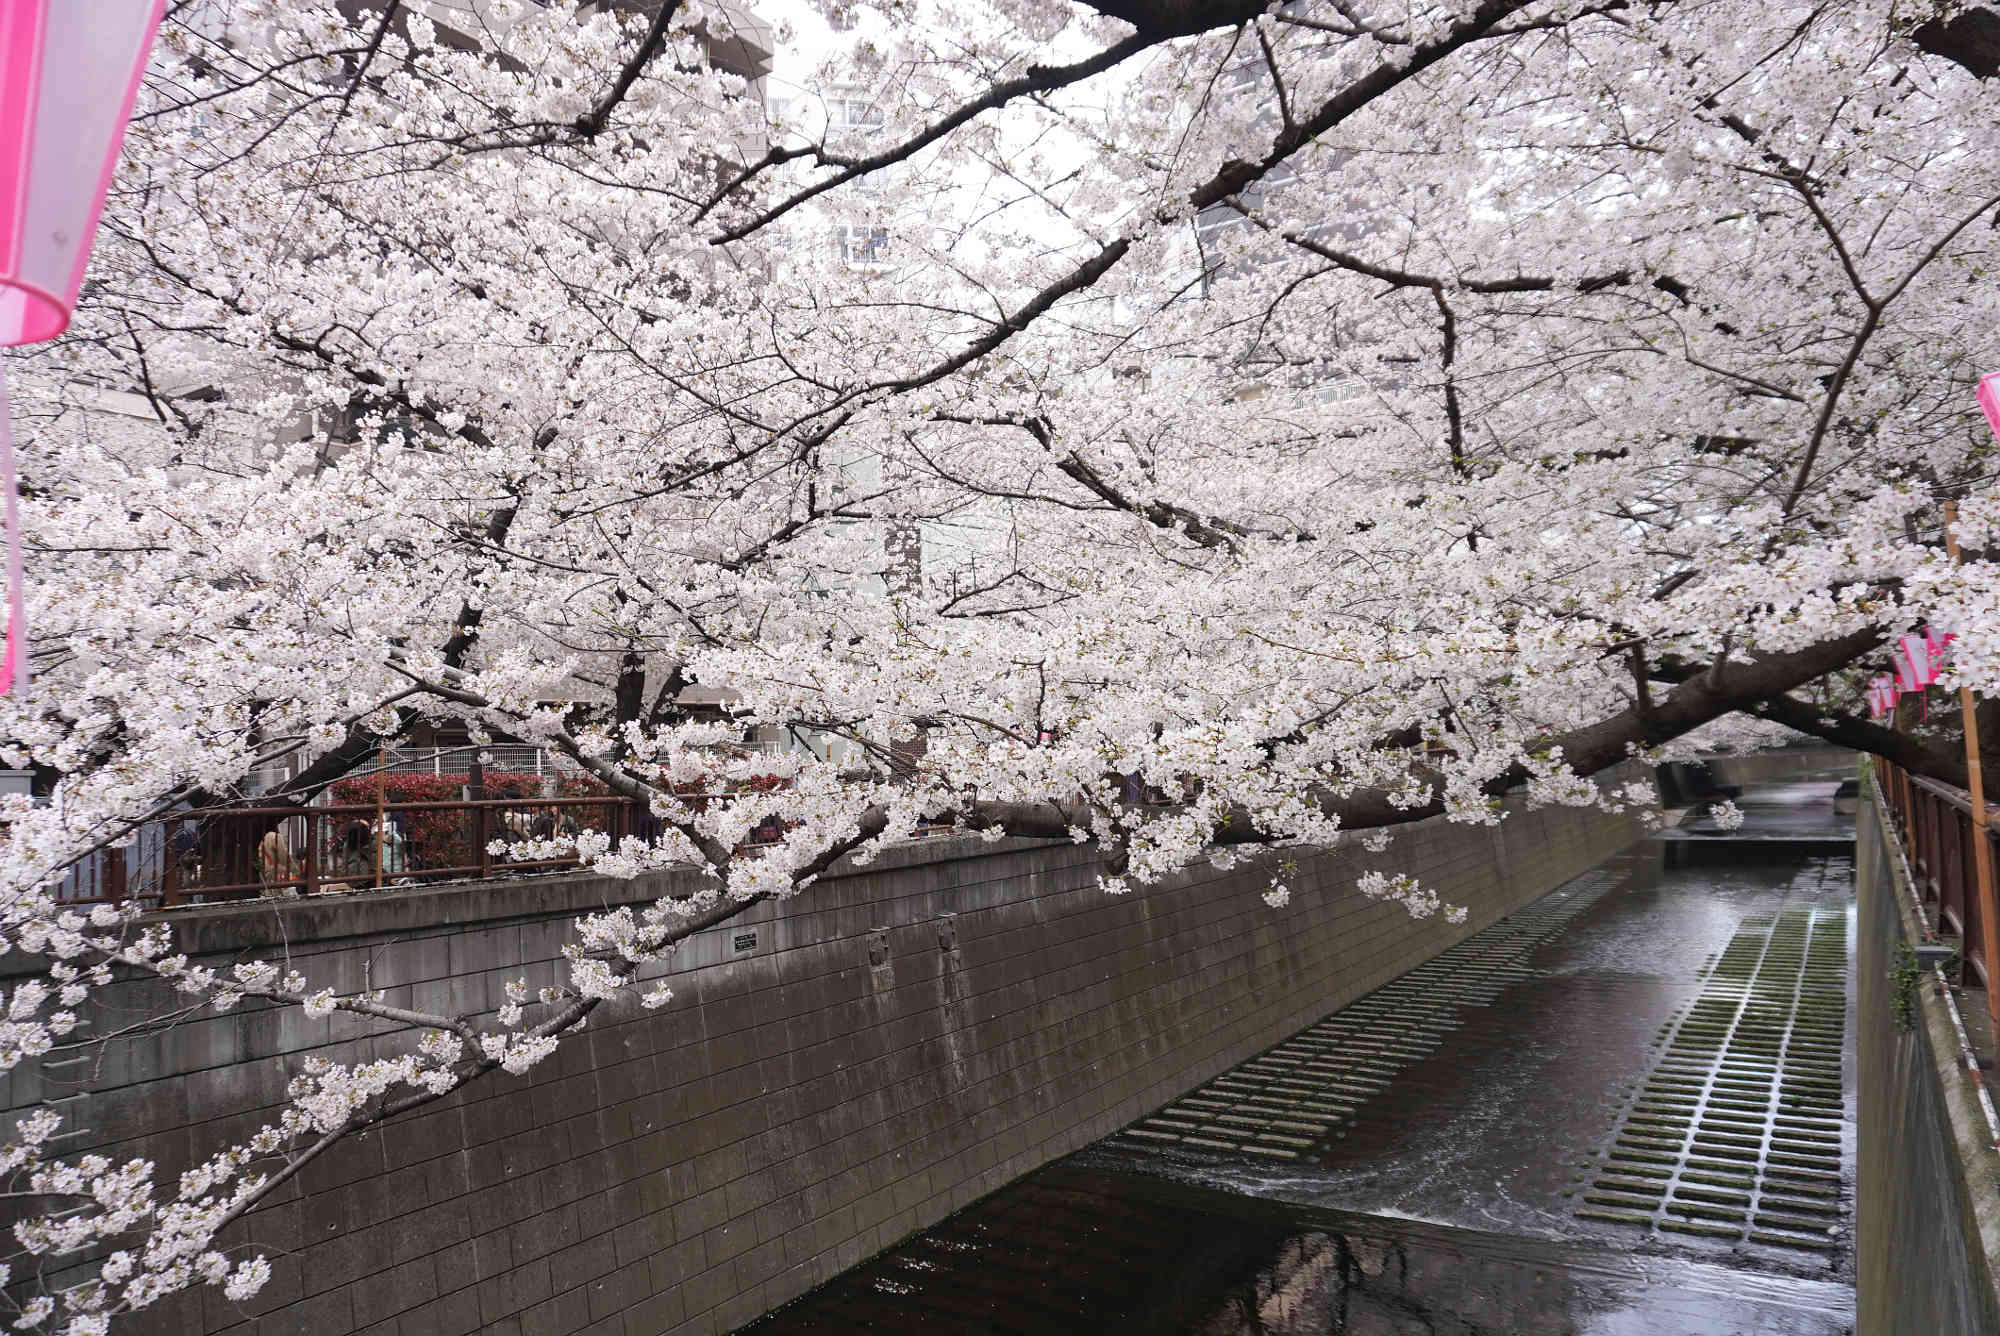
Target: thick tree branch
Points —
{"points": [[1039, 79], [1596, 747], [389, 12], [1230, 179], [1600, 746], [1210, 531], [1969, 39], [591, 123], [1943, 763], [1404, 278]]}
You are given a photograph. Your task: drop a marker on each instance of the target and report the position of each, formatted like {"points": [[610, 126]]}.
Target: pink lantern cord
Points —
{"points": [[14, 667], [20, 84]]}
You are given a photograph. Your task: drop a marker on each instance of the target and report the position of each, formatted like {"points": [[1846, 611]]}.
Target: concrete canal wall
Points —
{"points": [[833, 1074], [1928, 1215], [1782, 763]]}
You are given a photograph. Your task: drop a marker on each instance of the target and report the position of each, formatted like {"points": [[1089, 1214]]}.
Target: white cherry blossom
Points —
{"points": [[1221, 439]]}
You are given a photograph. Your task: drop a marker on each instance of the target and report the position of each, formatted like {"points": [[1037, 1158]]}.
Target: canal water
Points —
{"points": [[1626, 1109]]}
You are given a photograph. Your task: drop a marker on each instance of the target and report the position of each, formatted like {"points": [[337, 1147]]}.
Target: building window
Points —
{"points": [[853, 113], [858, 243]]}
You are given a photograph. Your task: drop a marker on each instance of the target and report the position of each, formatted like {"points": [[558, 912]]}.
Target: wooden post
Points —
{"points": [[381, 831], [480, 838], [311, 874], [1982, 846]]}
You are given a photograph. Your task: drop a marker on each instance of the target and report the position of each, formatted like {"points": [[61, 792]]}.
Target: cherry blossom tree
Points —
{"points": [[1332, 414]]}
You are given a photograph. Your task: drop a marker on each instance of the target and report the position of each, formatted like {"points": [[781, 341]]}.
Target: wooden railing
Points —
{"points": [[234, 853], [239, 853], [1935, 822]]}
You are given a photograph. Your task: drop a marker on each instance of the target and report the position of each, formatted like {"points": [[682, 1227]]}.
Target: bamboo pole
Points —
{"points": [[1982, 846]]}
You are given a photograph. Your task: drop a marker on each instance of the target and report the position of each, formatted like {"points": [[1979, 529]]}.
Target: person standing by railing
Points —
{"points": [[395, 851], [276, 867]]}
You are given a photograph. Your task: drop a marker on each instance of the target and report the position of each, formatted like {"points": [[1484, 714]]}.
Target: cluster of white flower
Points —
{"points": [[518, 1053], [1419, 900], [100, 1203]]}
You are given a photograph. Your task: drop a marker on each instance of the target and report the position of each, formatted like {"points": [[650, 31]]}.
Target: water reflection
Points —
{"points": [[1358, 1285], [1080, 1249], [1319, 1282]]}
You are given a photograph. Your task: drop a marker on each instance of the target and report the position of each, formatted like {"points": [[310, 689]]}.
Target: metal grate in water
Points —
{"points": [[1289, 1100], [1737, 1132]]}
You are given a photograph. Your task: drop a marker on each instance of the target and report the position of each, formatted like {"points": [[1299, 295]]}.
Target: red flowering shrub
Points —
{"points": [[434, 839], [421, 788]]}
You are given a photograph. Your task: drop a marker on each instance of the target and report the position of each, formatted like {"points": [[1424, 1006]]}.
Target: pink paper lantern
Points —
{"points": [[68, 74], [69, 70], [1913, 662], [1988, 395], [1937, 643], [1882, 694]]}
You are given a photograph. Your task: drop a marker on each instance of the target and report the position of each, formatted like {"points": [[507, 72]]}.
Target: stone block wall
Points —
{"points": [[833, 1074]]}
